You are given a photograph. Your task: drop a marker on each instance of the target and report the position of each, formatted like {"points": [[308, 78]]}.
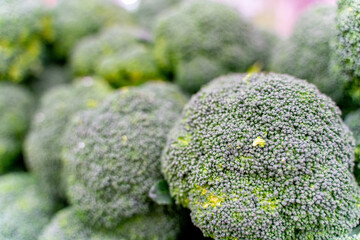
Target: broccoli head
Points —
{"points": [[148, 10], [73, 20], [119, 54], [22, 25], [112, 154], [24, 208], [201, 35], [348, 45], [353, 121], [155, 225], [307, 53], [44, 141], [16, 107], [263, 156]]}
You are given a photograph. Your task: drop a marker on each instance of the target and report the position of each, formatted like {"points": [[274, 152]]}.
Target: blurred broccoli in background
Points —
{"points": [[121, 55], [151, 226], [263, 156], [112, 154], [348, 46], [308, 52], [23, 25], [50, 77], [24, 209], [73, 20], [16, 107], [200, 40], [148, 10], [353, 121], [44, 142]]}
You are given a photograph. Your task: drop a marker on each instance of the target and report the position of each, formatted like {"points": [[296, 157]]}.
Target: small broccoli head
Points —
{"points": [[157, 225], [119, 54], [16, 107], [24, 208], [207, 34], [112, 154], [353, 121], [307, 53], [21, 29], [76, 19], [44, 142], [347, 46], [263, 157]]}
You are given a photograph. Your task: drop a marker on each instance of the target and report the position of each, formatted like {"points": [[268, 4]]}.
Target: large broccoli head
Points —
{"points": [[202, 36], [308, 52], [263, 157], [73, 20], [353, 121], [44, 142], [119, 54], [16, 106], [112, 154], [156, 225], [348, 44], [24, 208], [22, 26]]}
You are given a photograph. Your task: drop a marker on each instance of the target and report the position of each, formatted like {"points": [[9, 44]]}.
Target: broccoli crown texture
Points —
{"points": [[16, 105], [112, 154], [308, 52], [201, 35], [347, 45], [353, 122], [263, 156], [44, 142], [21, 27], [76, 19], [119, 54], [66, 225], [148, 10], [24, 208]]}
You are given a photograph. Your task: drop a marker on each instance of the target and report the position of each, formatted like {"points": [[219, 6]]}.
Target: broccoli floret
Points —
{"points": [[120, 55], [307, 53], [44, 142], [348, 45], [156, 225], [112, 154], [49, 78], [24, 208], [21, 29], [207, 34], [16, 107], [76, 19], [263, 156], [148, 10], [353, 121]]}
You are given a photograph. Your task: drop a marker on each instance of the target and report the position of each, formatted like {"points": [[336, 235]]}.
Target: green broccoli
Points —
{"points": [[73, 20], [16, 106], [119, 54], [50, 77], [263, 156], [24, 208], [348, 45], [112, 154], [22, 25], [44, 142], [148, 10], [353, 121], [308, 52], [156, 225], [200, 40]]}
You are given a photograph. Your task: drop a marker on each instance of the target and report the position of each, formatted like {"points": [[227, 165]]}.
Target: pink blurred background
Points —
{"points": [[278, 15]]}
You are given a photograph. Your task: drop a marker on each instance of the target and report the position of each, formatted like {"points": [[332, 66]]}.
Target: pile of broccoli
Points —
{"points": [[164, 123]]}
